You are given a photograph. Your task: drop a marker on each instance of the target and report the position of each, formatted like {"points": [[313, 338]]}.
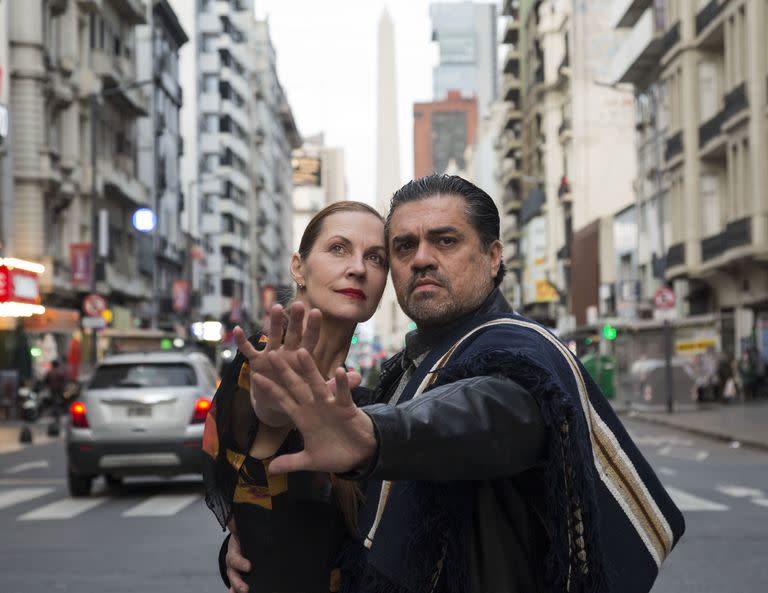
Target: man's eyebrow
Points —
{"points": [[443, 230], [403, 237]]}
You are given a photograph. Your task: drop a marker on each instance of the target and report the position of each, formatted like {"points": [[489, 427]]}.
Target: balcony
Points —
{"points": [[735, 102], [673, 146], [708, 14], [511, 234], [509, 143], [625, 13], [511, 202], [511, 90], [132, 11], [564, 131], [712, 246], [738, 233], [511, 32], [639, 54], [671, 38], [676, 255], [710, 129], [514, 117], [510, 8], [512, 62]]}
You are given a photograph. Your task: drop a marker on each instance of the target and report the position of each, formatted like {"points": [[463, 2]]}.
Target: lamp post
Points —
{"points": [[95, 210]]}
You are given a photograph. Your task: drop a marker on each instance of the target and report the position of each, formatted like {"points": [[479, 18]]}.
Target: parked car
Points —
{"points": [[139, 414]]}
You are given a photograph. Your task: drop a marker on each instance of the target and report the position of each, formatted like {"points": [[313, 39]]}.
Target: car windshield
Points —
{"points": [[143, 375]]}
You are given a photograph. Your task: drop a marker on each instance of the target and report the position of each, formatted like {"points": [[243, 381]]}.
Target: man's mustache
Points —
{"points": [[434, 276]]}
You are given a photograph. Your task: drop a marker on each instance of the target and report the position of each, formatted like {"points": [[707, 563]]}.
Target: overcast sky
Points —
{"points": [[326, 60]]}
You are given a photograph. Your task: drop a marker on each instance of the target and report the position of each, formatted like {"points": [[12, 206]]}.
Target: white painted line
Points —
{"points": [[22, 467], [667, 471], [702, 455], [739, 491], [162, 505], [17, 495], [763, 502], [689, 502], [63, 509]]}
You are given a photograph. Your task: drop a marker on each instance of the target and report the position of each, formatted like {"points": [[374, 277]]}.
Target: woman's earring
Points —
{"points": [[299, 285]]}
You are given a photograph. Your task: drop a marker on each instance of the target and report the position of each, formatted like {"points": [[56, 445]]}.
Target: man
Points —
{"points": [[491, 461]]}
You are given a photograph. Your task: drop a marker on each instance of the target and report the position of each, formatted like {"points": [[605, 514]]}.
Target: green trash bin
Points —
{"points": [[601, 369]]}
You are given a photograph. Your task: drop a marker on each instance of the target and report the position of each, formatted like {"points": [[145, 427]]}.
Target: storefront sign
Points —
{"points": [[18, 286], [180, 296]]}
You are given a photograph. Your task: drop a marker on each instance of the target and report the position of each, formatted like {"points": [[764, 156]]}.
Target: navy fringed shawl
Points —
{"points": [[609, 520]]}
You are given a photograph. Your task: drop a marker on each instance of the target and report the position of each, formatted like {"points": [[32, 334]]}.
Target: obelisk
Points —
{"points": [[391, 324]]}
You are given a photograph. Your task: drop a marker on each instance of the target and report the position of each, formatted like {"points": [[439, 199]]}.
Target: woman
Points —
{"points": [[341, 270]]}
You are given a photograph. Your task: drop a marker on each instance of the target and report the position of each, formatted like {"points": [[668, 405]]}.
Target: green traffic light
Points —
{"points": [[166, 344], [609, 332]]}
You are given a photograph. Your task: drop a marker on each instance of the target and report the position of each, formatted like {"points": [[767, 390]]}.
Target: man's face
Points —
{"points": [[439, 269]]}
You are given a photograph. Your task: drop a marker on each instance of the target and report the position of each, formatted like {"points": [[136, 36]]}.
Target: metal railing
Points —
{"points": [[735, 101], [711, 128], [707, 14], [738, 233], [671, 37], [674, 146], [676, 255]]}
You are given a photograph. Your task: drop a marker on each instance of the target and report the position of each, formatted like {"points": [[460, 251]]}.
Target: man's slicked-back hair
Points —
{"points": [[481, 211]]}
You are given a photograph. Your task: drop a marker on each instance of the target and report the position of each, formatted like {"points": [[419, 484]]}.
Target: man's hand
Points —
{"points": [[237, 565], [338, 436], [296, 336]]}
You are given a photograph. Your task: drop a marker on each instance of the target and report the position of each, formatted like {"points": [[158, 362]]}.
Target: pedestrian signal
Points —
{"points": [[609, 332]]}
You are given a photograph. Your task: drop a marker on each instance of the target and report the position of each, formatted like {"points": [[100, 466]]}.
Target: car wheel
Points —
{"points": [[79, 485], [113, 481]]}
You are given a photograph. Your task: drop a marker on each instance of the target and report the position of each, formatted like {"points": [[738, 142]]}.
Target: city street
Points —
{"points": [[156, 535]]}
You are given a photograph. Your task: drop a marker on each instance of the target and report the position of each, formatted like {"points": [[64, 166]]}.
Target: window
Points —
{"points": [[211, 123], [710, 203], [210, 83], [208, 42], [708, 97], [132, 376]]}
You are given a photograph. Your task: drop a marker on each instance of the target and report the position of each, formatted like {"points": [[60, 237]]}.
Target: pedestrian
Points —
{"points": [[291, 527], [490, 459], [56, 382]]}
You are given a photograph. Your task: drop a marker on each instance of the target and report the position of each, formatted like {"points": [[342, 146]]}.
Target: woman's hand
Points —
{"points": [[297, 336]]}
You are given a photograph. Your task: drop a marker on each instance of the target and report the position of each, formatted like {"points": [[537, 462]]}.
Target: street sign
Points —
{"points": [[94, 305], [94, 323], [664, 298]]}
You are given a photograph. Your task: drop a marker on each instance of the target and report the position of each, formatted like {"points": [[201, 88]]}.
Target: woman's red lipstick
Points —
{"points": [[353, 293]]}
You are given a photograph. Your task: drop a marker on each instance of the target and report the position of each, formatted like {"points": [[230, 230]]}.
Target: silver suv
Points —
{"points": [[141, 413]]}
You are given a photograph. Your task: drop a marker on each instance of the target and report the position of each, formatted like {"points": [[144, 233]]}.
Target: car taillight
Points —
{"points": [[202, 406], [77, 415]]}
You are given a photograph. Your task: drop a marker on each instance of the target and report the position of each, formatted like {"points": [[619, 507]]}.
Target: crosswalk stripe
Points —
{"points": [[763, 502], [689, 502], [17, 495], [739, 491], [63, 509], [162, 505]]}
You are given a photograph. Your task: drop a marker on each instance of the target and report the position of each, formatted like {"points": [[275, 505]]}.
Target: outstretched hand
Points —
{"points": [[297, 335], [338, 436]]}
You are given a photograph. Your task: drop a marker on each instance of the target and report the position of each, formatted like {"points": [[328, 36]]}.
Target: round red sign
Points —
{"points": [[94, 305], [664, 298]]}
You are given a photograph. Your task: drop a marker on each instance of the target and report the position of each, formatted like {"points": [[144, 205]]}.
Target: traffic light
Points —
{"points": [[609, 332]]}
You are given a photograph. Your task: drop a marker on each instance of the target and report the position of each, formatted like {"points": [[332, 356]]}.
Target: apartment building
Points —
{"points": [[710, 98], [161, 146], [75, 102], [510, 151]]}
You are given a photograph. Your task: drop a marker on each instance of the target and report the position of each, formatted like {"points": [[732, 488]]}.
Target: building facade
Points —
{"points": [[76, 100], [275, 137], [465, 33], [709, 93], [161, 147]]}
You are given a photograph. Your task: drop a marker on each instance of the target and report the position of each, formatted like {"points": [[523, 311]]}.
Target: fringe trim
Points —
{"points": [[575, 562]]}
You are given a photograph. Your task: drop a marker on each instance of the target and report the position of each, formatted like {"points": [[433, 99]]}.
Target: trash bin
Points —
{"points": [[601, 368], [649, 385]]}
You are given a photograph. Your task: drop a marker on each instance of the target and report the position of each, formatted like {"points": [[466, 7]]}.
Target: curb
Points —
{"points": [[712, 434]]}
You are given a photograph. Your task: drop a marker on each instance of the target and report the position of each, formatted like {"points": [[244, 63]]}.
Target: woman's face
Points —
{"points": [[346, 270]]}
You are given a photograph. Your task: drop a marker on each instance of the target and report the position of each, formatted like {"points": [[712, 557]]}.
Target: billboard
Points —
{"points": [[306, 171]]}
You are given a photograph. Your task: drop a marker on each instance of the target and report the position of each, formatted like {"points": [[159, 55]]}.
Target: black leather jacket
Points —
{"points": [[486, 429]]}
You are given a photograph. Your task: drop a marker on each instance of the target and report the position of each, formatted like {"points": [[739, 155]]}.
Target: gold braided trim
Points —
{"points": [[614, 467]]}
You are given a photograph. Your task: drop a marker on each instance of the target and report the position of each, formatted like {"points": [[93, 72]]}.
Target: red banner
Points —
{"points": [[180, 296], [80, 264]]}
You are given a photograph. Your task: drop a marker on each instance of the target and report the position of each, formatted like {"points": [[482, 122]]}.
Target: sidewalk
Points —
{"points": [[11, 429], [746, 423]]}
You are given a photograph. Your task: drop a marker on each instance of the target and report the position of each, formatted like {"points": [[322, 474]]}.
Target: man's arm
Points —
{"points": [[476, 428]]}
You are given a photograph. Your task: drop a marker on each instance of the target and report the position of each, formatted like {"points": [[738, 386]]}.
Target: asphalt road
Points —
{"points": [[157, 535]]}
